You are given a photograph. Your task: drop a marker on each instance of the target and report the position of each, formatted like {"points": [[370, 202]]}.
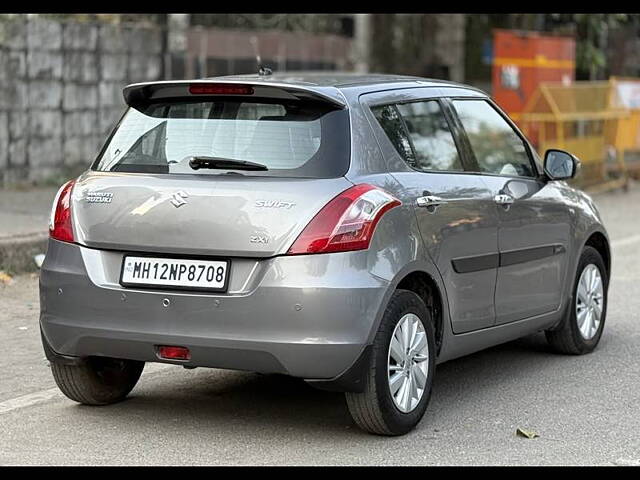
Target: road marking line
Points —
{"points": [[625, 241], [627, 462], [55, 393], [30, 399]]}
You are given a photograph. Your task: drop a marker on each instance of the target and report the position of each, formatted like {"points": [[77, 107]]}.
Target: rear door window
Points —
{"points": [[297, 139], [421, 135], [432, 139]]}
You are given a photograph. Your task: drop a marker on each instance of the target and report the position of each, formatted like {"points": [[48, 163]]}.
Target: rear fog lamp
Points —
{"points": [[173, 353]]}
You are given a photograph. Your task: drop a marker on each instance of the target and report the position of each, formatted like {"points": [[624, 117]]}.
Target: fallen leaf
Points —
{"points": [[5, 278], [526, 433]]}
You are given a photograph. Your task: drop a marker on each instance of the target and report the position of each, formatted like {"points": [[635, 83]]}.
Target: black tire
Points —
{"points": [[97, 380], [566, 337], [374, 410]]}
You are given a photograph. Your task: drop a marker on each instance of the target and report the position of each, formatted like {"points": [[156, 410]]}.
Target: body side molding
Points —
{"points": [[504, 259]]}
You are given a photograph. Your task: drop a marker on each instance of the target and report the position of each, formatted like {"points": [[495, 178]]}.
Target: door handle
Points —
{"points": [[503, 199], [429, 201]]}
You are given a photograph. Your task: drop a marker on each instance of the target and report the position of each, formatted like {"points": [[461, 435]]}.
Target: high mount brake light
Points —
{"points": [[60, 226], [346, 223], [219, 89]]}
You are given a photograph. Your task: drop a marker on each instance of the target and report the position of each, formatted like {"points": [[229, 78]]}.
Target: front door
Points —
{"points": [[533, 224], [455, 210]]}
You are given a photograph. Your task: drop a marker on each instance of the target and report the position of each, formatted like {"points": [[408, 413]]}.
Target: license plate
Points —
{"points": [[175, 273]]}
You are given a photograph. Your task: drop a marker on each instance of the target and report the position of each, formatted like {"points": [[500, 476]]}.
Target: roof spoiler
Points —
{"points": [[141, 93]]}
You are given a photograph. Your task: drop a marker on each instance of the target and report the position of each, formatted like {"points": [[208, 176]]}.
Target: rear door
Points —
{"points": [[455, 209], [144, 195], [534, 224]]}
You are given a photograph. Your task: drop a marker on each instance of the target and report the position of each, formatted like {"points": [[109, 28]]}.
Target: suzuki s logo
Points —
{"points": [[178, 198]]}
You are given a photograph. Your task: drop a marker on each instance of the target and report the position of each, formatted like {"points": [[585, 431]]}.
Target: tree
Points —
{"points": [[382, 53], [592, 37]]}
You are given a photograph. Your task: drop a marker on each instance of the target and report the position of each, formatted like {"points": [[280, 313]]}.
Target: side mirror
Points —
{"points": [[560, 165]]}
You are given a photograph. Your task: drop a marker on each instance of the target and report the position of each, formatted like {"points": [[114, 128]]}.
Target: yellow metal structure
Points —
{"points": [[588, 119], [628, 96]]}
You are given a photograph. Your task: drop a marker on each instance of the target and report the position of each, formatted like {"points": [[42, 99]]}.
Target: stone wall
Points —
{"points": [[61, 91]]}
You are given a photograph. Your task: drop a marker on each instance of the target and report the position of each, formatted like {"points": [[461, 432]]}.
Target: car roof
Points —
{"points": [[338, 80]]}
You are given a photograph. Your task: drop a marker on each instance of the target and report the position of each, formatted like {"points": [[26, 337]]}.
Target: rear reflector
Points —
{"points": [[174, 353], [219, 89]]}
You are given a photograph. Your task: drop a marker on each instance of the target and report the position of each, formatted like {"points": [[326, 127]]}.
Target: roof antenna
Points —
{"points": [[262, 70]]}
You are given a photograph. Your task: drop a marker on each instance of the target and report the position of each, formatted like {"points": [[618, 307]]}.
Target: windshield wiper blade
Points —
{"points": [[224, 163]]}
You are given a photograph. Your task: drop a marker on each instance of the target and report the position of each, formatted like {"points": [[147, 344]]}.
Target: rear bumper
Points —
{"points": [[306, 316]]}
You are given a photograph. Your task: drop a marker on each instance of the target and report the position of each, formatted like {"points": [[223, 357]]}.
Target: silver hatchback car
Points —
{"points": [[353, 231]]}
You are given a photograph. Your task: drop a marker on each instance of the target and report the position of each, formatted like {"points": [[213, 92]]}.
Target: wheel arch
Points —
{"points": [[420, 277], [599, 241], [425, 286]]}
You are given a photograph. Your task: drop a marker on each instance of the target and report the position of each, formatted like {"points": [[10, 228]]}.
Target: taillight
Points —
{"points": [[219, 89], [60, 226], [345, 223]]}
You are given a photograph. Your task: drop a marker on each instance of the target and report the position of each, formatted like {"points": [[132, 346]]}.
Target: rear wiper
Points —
{"points": [[224, 163]]}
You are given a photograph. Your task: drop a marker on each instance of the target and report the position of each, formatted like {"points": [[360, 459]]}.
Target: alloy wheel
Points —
{"points": [[589, 301], [407, 362]]}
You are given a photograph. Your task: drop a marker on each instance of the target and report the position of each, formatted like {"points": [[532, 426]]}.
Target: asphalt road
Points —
{"points": [[586, 410]]}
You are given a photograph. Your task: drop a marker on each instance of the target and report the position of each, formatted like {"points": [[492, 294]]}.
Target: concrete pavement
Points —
{"points": [[24, 219], [25, 212]]}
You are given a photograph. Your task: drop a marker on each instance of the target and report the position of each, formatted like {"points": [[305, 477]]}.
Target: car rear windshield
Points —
{"points": [[289, 138]]}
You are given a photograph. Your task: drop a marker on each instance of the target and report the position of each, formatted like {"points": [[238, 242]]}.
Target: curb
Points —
{"points": [[17, 252], [609, 186]]}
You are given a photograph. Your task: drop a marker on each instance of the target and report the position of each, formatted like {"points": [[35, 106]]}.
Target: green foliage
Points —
{"points": [[592, 31]]}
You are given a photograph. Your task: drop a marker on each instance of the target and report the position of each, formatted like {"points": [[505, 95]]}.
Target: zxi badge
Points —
{"points": [[178, 199], [259, 239]]}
